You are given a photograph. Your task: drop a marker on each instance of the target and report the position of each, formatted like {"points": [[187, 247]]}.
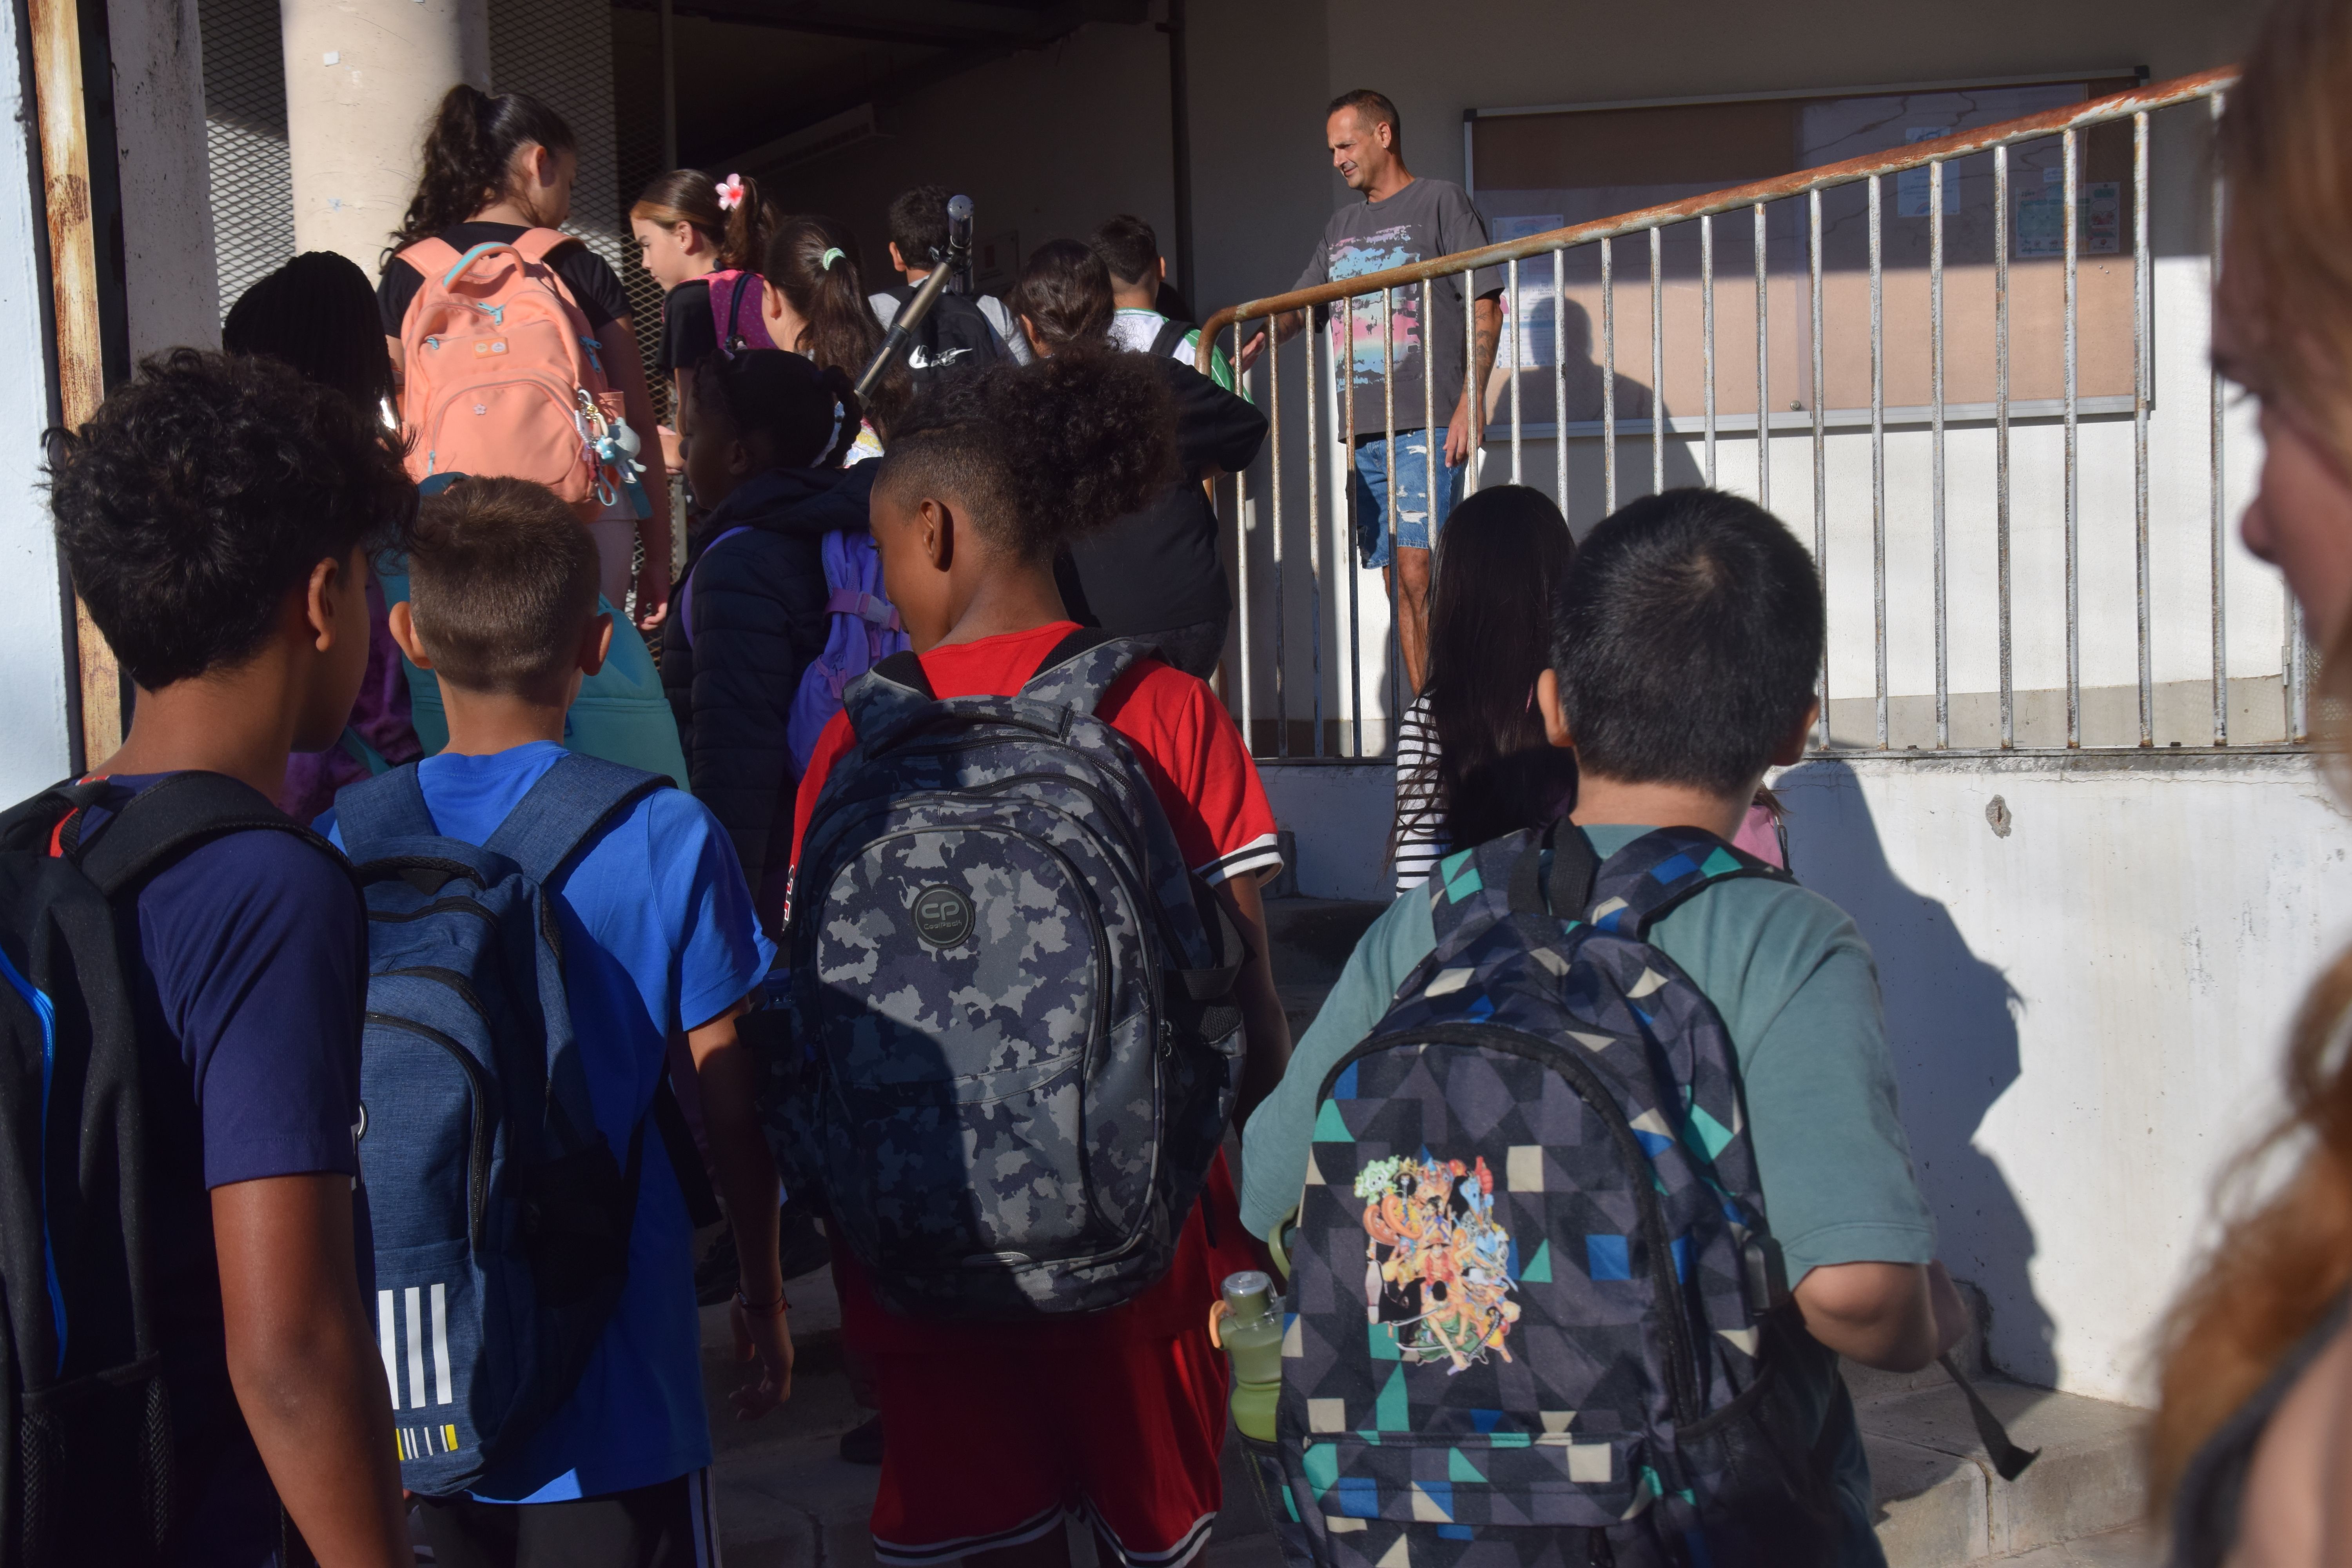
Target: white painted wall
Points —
{"points": [[167, 219], [2088, 1015], [33, 629]]}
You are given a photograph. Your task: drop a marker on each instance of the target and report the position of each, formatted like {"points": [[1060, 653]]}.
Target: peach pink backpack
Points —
{"points": [[501, 376]]}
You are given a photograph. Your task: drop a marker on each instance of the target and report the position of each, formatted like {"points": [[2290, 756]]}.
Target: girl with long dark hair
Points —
{"points": [[494, 169], [1471, 759], [815, 305]]}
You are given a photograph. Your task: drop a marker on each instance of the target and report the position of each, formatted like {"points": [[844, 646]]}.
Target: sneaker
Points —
{"points": [[862, 1444]]}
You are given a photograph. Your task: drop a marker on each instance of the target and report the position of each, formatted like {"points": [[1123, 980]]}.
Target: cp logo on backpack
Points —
{"points": [[501, 1214], [1532, 1301], [1019, 1047]]}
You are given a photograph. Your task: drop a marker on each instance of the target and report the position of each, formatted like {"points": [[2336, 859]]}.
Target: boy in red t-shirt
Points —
{"points": [[995, 1431]]}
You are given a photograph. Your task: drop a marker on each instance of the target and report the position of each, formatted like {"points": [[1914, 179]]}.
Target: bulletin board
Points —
{"points": [[1542, 168]]}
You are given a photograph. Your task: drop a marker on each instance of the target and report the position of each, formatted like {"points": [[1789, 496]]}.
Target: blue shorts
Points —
{"points": [[1417, 522]]}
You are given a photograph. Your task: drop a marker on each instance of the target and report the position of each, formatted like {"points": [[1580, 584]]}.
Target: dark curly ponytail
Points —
{"points": [[1043, 452], [470, 156]]}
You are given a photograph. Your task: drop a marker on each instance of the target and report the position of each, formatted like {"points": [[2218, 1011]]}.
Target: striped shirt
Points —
{"points": [[1420, 824]]}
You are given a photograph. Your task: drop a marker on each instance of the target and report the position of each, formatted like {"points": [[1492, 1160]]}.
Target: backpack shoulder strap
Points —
{"points": [[1171, 334], [1483, 883], [539, 244], [432, 256], [1082, 667], [1639, 884], [175, 816], [882, 698], [571, 800], [387, 806]]}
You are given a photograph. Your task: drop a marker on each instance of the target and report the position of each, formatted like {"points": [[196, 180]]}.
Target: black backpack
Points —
{"points": [[86, 1443], [952, 339]]}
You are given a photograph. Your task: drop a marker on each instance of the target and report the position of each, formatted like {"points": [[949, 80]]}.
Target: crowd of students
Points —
{"points": [[1005, 547]]}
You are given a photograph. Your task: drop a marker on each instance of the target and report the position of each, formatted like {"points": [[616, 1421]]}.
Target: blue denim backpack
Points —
{"points": [[501, 1214], [1015, 1046], [1532, 1298]]}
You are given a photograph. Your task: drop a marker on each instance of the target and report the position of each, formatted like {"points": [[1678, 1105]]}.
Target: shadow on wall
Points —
{"points": [[1578, 389], [1951, 1027]]}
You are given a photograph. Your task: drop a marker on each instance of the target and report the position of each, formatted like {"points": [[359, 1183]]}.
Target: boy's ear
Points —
{"points": [[937, 523], [1548, 704], [322, 625], [739, 459], [898, 262], [595, 643], [403, 632], [1791, 749]]}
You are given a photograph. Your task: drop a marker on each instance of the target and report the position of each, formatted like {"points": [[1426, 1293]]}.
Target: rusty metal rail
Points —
{"points": [[1269, 530]]}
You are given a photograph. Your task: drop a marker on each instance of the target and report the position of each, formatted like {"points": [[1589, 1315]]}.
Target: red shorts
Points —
{"points": [[991, 1438]]}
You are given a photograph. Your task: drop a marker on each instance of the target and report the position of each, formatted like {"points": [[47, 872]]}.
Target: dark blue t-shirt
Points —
{"points": [[247, 962]]}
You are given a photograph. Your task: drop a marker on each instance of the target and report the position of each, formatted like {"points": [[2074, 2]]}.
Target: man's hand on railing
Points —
{"points": [[1287, 326]]}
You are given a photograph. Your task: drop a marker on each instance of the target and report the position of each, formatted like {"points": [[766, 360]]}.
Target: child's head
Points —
{"points": [[482, 149], [992, 474], [763, 409], [502, 593], [319, 314], [1685, 642], [919, 227], [217, 502], [1500, 561], [815, 304], [687, 223], [1063, 299]]}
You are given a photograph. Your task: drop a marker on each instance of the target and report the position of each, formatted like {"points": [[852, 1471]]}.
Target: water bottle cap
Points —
{"points": [[1248, 1288]]}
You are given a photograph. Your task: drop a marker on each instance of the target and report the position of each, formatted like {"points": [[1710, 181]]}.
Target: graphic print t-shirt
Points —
{"points": [[1191, 751], [1427, 219]]}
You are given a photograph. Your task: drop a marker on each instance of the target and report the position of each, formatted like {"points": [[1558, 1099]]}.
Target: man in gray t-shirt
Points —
{"points": [[1401, 219]]}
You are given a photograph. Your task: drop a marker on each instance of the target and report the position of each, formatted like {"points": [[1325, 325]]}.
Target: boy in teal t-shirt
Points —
{"points": [[1687, 635]]}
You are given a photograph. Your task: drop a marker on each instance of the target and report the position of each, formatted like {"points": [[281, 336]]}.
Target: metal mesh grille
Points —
{"points": [[637, 150], [245, 141]]}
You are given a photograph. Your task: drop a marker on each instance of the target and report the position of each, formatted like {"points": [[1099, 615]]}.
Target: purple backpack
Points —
{"points": [[865, 631], [735, 311]]}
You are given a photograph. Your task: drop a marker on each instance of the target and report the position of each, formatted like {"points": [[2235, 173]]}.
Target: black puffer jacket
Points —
{"points": [[757, 619]]}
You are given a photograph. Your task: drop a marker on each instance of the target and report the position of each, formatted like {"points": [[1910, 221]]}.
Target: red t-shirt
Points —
{"points": [[1191, 751]]}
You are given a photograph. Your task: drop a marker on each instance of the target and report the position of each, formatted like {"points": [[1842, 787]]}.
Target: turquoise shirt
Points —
{"points": [[1798, 992]]}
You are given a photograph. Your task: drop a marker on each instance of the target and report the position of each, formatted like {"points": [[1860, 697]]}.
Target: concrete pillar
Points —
{"points": [[361, 80]]}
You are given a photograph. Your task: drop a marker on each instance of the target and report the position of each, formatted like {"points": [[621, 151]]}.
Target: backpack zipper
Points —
{"points": [[1682, 1359], [477, 1164]]}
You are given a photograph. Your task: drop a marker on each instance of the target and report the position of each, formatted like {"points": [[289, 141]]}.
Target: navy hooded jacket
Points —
{"points": [[757, 619]]}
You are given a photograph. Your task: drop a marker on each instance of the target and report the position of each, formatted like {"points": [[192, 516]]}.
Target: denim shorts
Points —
{"points": [[1416, 521]]}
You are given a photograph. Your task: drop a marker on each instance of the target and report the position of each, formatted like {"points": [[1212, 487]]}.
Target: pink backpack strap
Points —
{"points": [[431, 258], [539, 244]]}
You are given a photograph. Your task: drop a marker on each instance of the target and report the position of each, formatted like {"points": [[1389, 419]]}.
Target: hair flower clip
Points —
{"points": [[730, 192]]}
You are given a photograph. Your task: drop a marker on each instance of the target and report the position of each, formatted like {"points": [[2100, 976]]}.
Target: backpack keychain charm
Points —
{"points": [[615, 446]]}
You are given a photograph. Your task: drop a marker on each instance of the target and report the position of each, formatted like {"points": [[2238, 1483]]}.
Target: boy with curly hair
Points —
{"points": [[217, 516]]}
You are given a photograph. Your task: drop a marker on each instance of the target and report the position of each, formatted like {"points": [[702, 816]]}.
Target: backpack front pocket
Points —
{"points": [[1502, 1478]]}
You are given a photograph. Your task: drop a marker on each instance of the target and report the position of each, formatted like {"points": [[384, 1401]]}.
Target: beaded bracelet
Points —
{"points": [[775, 1308]]}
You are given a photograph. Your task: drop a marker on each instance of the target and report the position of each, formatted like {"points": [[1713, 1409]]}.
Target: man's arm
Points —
{"points": [[747, 1179], [1461, 433], [305, 1366], [1896, 1317], [1265, 1029]]}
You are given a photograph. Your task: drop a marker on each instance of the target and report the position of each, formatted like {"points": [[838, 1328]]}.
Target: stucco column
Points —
{"points": [[361, 80]]}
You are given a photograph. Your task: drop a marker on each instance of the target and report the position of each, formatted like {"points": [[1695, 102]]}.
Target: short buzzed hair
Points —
{"points": [[502, 584], [1374, 107], [1685, 638], [918, 220], [1129, 248]]}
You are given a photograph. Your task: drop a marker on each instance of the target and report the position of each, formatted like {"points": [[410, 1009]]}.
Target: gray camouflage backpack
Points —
{"points": [[1017, 1051]]}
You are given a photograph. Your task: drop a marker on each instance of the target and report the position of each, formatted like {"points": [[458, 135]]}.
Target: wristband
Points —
{"points": [[775, 1308]]}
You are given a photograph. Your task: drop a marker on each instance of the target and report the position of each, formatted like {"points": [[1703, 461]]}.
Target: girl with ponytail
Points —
{"points": [[493, 169], [815, 305], [690, 226]]}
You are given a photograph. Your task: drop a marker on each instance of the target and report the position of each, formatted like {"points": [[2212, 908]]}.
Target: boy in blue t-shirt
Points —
{"points": [[1685, 640], [217, 515], [659, 936]]}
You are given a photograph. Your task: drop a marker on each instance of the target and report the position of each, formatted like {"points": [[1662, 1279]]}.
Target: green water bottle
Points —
{"points": [[1248, 1324]]}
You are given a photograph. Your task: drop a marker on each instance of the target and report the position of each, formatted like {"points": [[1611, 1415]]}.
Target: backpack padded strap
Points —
{"points": [[539, 244], [431, 256], [883, 700], [1170, 333], [175, 816], [373, 812], [1639, 884], [1081, 669], [571, 800]]}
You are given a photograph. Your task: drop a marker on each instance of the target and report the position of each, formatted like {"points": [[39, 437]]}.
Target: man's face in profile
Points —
{"points": [[1359, 147]]}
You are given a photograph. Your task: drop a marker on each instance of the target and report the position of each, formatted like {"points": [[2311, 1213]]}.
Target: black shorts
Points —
{"points": [[671, 1524]]}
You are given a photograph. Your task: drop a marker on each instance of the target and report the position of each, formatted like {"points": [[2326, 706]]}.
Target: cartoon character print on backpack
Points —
{"points": [[1019, 1041], [1529, 1288]]}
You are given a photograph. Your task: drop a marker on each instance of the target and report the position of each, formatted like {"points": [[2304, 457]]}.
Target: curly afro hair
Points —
{"points": [[202, 491], [1043, 452]]}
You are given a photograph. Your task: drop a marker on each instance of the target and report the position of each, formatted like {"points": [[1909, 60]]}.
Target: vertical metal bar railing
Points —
{"points": [[1398, 675], [1559, 375], [2220, 538], [2000, 439], [2070, 211], [1878, 451], [1938, 499], [1343, 354], [1819, 402], [1315, 521], [2143, 309], [1473, 393], [1763, 366], [1513, 328], [1608, 380], [1242, 601], [1431, 448], [1658, 363], [1274, 491], [1706, 332]]}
